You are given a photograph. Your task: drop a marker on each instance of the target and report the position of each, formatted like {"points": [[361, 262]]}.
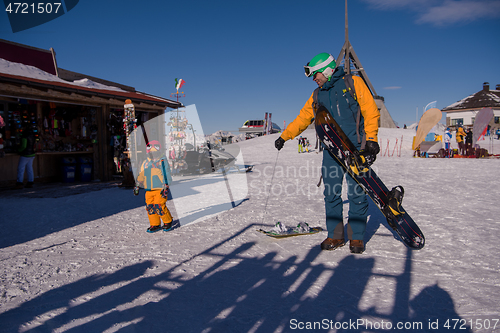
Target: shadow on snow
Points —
{"points": [[238, 293], [24, 219], [50, 209]]}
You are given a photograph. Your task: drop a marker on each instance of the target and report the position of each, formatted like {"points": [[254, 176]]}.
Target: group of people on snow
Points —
{"points": [[464, 140]]}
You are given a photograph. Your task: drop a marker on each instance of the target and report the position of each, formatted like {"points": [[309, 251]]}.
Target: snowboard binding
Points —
{"points": [[358, 163], [393, 207]]}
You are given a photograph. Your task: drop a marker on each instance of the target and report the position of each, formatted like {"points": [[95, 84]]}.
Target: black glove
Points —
{"points": [[164, 192], [370, 152], [279, 143], [136, 190], [372, 147]]}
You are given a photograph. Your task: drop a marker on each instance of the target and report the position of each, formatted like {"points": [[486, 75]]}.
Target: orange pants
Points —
{"points": [[157, 208]]}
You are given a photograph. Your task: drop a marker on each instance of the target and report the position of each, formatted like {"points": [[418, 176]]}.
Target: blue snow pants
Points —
{"points": [[333, 175]]}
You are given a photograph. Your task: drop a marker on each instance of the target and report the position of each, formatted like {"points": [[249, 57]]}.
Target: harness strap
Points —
{"points": [[349, 82], [315, 101]]}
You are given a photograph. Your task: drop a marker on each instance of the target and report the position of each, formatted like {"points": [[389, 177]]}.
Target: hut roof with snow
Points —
{"points": [[482, 99]]}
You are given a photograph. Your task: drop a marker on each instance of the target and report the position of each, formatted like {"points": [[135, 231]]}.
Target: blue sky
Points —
{"points": [[241, 59]]}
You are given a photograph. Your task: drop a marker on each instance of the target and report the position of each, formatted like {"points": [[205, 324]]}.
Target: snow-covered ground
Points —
{"points": [[84, 262]]}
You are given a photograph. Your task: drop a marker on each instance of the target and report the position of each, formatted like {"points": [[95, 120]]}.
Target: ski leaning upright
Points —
{"points": [[129, 121], [388, 201]]}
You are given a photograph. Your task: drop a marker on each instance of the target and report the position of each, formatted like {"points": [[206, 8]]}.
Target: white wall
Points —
{"points": [[466, 115]]}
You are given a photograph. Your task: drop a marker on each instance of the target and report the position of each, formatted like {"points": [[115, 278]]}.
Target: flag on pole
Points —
{"points": [[179, 84]]}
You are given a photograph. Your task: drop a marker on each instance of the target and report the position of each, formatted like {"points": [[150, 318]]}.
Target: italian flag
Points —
{"points": [[179, 83]]}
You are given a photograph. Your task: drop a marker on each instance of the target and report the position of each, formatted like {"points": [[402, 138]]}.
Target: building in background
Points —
{"points": [[464, 111], [78, 118]]}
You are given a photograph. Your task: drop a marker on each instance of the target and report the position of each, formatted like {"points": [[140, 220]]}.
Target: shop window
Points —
{"points": [[67, 128], [17, 117]]}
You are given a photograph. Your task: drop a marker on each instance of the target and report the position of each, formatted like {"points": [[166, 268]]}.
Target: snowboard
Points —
{"points": [[388, 201], [129, 121], [281, 231]]}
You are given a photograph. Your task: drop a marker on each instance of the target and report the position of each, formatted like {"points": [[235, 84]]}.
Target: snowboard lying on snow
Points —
{"points": [[281, 231]]}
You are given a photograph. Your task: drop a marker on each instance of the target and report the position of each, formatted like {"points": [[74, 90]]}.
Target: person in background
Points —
{"points": [[468, 142], [27, 150], [447, 138], [301, 145], [460, 140]]}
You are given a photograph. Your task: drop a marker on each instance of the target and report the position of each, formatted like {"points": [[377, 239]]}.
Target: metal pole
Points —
{"points": [[347, 61]]}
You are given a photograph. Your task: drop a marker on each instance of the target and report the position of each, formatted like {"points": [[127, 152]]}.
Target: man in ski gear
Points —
{"points": [[153, 177], [334, 94]]}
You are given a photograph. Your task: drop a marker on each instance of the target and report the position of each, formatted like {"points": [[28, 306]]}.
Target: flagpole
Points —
{"points": [[178, 85]]}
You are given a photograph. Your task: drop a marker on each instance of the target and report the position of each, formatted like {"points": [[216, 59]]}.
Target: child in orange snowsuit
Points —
{"points": [[153, 177]]}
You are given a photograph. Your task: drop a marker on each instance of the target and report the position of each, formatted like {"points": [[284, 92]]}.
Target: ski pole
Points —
{"points": [[269, 194]]}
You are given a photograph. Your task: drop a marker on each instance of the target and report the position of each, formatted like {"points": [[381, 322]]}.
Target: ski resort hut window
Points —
{"points": [[458, 121], [16, 118], [497, 120]]}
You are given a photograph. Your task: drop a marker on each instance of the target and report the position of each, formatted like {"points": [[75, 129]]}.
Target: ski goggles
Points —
{"points": [[309, 70], [155, 145]]}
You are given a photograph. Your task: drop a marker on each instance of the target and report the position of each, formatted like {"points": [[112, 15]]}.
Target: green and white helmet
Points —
{"points": [[322, 63]]}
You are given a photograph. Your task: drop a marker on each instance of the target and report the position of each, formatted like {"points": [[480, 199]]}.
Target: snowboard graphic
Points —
{"points": [[281, 231], [129, 121], [388, 201]]}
